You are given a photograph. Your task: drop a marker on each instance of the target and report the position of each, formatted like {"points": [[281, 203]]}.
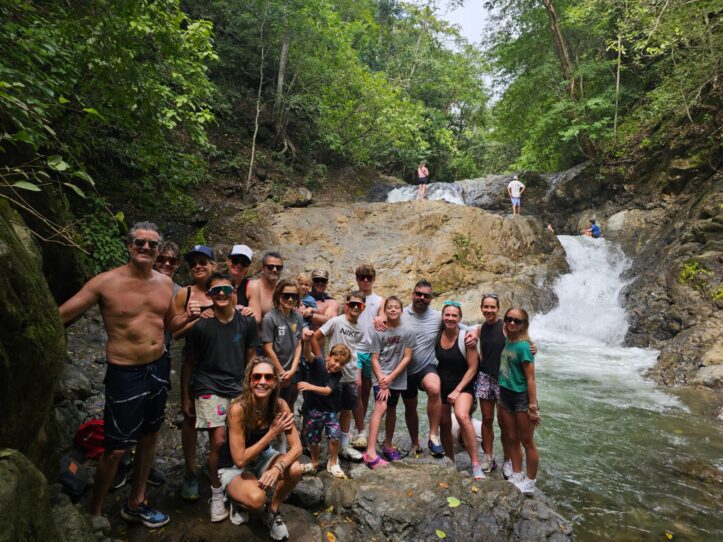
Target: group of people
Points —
{"points": [[252, 345]]}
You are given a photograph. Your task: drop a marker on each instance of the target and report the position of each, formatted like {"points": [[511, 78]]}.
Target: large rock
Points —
{"points": [[463, 251], [408, 501], [24, 500], [32, 347]]}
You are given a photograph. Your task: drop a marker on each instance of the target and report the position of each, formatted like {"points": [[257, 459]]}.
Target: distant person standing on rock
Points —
{"points": [[515, 190], [593, 231], [422, 180], [136, 304]]}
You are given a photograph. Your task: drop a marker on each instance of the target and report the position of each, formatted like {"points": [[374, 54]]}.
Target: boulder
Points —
{"points": [[296, 196], [408, 501], [463, 251], [32, 348], [24, 500]]}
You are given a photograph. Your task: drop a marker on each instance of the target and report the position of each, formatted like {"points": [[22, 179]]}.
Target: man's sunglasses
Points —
{"points": [[273, 267], [355, 305], [140, 243], [424, 295], [240, 260], [516, 321], [269, 377], [216, 291], [170, 260], [320, 280], [290, 296], [365, 278]]}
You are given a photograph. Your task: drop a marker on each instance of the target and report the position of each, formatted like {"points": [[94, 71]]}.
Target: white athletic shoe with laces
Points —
{"points": [[218, 505], [507, 469], [237, 515], [526, 486]]}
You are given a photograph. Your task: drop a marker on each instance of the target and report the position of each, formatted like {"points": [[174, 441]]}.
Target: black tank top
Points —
{"points": [[188, 298], [451, 363], [225, 461], [241, 298]]}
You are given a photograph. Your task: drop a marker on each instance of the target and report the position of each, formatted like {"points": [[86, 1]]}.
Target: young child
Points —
{"points": [[345, 329], [391, 353], [322, 395], [307, 303], [217, 351], [518, 399], [281, 337]]}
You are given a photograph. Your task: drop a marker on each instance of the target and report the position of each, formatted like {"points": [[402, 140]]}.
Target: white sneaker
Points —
{"points": [[351, 454], [487, 463], [507, 469], [218, 505], [237, 515], [516, 479], [526, 485], [478, 473]]}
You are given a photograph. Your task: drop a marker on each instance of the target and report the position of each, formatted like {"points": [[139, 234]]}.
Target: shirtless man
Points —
{"points": [[135, 302], [327, 306], [260, 291]]}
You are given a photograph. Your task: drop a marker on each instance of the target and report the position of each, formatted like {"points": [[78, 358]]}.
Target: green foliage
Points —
{"points": [[99, 233], [694, 274]]}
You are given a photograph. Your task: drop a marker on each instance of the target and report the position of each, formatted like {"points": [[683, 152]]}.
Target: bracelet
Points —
{"points": [[281, 469]]}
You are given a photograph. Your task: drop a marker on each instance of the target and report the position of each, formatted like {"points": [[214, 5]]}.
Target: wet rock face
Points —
{"points": [[409, 502], [463, 251], [32, 348]]}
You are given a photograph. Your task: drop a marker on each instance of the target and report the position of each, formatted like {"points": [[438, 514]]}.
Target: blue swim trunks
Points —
{"points": [[364, 362]]}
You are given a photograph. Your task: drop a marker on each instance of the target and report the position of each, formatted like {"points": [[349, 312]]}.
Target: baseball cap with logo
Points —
{"points": [[199, 249], [320, 274]]}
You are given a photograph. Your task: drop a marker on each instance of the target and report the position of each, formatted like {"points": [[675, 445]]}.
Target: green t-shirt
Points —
{"points": [[513, 356]]}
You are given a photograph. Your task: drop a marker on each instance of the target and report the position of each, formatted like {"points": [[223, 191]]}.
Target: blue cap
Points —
{"points": [[200, 249]]}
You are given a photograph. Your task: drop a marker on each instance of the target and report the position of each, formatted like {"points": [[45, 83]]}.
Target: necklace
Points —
{"points": [[259, 412]]}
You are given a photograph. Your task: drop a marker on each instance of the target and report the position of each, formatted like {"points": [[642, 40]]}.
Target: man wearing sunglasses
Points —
{"points": [[136, 305], [217, 351], [261, 290], [326, 306]]}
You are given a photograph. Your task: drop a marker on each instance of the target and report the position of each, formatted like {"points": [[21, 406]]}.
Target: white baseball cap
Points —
{"points": [[241, 250]]}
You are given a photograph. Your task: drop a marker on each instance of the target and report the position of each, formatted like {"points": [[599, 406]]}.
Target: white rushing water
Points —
{"points": [[435, 191], [614, 448]]}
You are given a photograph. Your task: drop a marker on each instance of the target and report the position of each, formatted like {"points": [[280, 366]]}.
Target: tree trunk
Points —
{"points": [[259, 107], [617, 87], [279, 98]]}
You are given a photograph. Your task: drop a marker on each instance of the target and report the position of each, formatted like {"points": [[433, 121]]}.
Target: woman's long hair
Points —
{"points": [[246, 397], [524, 335]]}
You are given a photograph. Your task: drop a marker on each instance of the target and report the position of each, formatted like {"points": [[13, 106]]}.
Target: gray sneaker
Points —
{"points": [[275, 522]]}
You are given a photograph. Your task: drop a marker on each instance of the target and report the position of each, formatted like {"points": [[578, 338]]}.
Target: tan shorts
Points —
{"points": [[211, 411]]}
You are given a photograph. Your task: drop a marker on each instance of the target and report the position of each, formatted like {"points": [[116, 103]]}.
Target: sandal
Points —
{"points": [[308, 468], [374, 463], [392, 454], [336, 471]]}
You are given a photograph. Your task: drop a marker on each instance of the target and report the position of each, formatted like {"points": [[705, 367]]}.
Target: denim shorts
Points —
{"points": [[257, 467], [514, 401]]}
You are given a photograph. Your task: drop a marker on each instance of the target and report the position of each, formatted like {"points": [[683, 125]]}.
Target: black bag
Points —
{"points": [[74, 477]]}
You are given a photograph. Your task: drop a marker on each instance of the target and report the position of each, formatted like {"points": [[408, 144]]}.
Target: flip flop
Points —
{"points": [[336, 471], [374, 463]]}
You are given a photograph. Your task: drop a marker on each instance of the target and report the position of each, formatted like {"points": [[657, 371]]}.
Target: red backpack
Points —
{"points": [[89, 437]]}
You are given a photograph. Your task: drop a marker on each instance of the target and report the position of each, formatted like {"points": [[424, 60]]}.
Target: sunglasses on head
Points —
{"points": [[355, 305], [140, 243], [423, 295], [273, 266], [493, 296], [240, 260], [170, 260], [224, 289], [269, 377], [516, 321], [291, 296], [365, 278]]}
